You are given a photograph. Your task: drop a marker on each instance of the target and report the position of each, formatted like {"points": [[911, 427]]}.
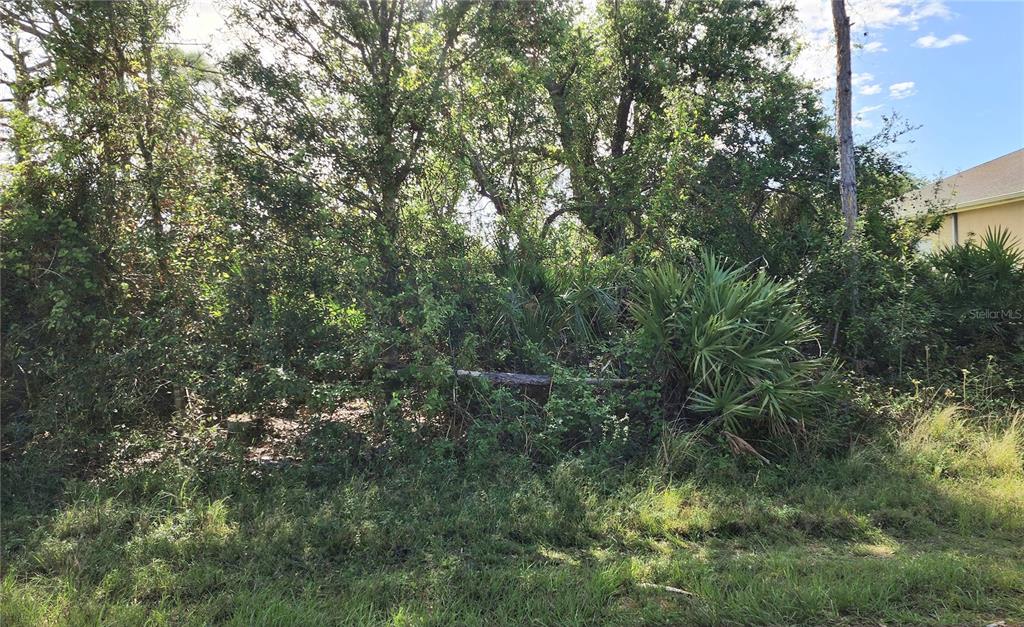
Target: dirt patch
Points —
{"points": [[280, 436]]}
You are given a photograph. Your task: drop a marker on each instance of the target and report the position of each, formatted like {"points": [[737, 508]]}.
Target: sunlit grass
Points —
{"points": [[925, 529]]}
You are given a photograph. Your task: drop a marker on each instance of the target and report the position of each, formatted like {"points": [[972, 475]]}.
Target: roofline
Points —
{"points": [[973, 167], [982, 203]]}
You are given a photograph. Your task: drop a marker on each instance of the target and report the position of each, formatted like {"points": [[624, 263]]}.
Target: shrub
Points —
{"points": [[963, 301], [894, 319], [559, 307], [727, 345], [980, 290]]}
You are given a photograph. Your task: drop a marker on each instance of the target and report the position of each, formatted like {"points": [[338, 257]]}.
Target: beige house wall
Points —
{"points": [[975, 222], [1009, 216]]}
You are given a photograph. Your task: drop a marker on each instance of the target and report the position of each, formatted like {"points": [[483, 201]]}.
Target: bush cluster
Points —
{"points": [[185, 242], [956, 305]]}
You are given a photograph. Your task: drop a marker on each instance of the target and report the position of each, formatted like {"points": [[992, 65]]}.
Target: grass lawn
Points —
{"points": [[924, 526]]}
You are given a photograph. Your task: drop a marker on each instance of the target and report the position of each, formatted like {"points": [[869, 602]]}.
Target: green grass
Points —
{"points": [[923, 527]]}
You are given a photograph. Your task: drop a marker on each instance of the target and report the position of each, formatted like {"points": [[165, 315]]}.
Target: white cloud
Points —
{"points": [[860, 116], [889, 13], [859, 78], [931, 41], [902, 90], [863, 81], [813, 26]]}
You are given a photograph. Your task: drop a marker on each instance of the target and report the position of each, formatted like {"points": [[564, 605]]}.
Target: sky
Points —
{"points": [[955, 69]]}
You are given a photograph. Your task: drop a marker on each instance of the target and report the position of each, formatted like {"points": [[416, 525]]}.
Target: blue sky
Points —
{"points": [[967, 92]]}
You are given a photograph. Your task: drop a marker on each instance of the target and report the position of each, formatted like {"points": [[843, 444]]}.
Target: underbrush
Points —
{"points": [[921, 525]]}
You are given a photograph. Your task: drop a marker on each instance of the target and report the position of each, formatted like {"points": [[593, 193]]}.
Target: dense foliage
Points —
{"points": [[979, 292], [362, 198]]}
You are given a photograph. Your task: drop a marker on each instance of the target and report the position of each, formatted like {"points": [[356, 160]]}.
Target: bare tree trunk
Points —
{"points": [[844, 119], [844, 129]]}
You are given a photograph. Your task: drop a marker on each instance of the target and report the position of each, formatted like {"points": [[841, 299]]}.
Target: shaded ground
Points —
{"points": [[280, 438]]}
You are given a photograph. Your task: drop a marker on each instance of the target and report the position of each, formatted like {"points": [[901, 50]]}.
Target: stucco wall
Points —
{"points": [[1010, 216]]}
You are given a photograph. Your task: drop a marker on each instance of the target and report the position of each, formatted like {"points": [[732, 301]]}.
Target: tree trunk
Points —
{"points": [[389, 224], [844, 119], [844, 130]]}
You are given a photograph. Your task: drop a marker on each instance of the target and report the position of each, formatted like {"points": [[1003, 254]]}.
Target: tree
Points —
{"points": [[342, 113], [668, 119], [497, 125], [844, 119], [100, 204]]}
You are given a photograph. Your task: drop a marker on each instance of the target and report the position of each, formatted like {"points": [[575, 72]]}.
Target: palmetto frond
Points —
{"points": [[733, 338]]}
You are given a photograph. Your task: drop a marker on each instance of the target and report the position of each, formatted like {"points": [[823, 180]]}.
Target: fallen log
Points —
{"points": [[518, 379]]}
